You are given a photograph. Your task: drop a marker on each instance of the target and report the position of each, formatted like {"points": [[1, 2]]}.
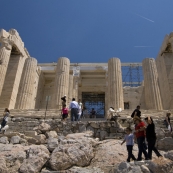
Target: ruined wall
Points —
{"points": [[164, 63]]}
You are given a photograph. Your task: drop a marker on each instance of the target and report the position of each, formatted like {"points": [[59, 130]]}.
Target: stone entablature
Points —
{"points": [[18, 78]]}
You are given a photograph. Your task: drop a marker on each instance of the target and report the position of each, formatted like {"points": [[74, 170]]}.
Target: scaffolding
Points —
{"points": [[132, 74]]}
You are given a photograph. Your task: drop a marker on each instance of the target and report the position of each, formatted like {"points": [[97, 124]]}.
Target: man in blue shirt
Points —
{"points": [[74, 110]]}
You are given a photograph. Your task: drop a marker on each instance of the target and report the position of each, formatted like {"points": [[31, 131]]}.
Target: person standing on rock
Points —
{"points": [[129, 139], [5, 118], [151, 138], [140, 135], [74, 110]]}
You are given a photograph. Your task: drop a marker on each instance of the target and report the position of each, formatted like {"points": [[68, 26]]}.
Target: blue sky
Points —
{"points": [[89, 30]]}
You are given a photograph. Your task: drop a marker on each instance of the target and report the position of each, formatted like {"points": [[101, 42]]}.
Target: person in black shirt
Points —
{"points": [[151, 137], [136, 112]]}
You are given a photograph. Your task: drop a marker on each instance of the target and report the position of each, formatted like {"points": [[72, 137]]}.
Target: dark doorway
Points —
{"points": [[94, 100], [126, 105]]}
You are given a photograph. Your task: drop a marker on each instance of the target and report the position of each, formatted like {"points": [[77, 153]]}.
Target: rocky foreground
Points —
{"points": [[45, 150]]}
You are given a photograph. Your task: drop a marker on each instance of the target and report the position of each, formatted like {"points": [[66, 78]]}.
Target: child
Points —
{"points": [[129, 139], [64, 112]]}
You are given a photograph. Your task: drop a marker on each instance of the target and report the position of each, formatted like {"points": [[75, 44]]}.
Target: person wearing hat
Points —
{"points": [[140, 135], [151, 137]]}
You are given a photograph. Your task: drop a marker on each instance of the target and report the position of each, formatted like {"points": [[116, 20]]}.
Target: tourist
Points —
{"points": [[93, 113], [111, 114], [63, 100], [167, 121], [80, 109], [129, 139], [151, 137], [140, 135], [74, 110], [5, 119], [64, 113], [136, 112]]}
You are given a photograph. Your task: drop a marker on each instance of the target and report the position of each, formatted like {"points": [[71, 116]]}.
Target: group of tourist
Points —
{"points": [[75, 107], [144, 132]]}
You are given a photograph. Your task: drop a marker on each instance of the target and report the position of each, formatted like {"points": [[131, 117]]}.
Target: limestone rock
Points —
{"points": [[165, 144], [82, 128], [52, 143], [94, 125], [31, 140], [3, 167], [37, 156], [85, 169], [71, 154], [160, 165], [4, 140], [15, 140], [80, 135], [123, 165], [169, 155], [43, 127], [145, 169], [41, 139], [51, 134], [31, 133], [90, 128], [23, 142], [160, 133], [110, 152], [12, 157], [103, 134]]}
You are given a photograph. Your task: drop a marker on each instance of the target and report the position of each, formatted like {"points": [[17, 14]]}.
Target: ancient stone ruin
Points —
{"points": [[38, 141]]}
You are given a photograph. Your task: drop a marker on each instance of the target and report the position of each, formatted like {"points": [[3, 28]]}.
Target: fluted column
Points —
{"points": [[61, 80], [75, 88], [4, 60], [26, 87], [70, 89], [151, 86], [115, 88]]}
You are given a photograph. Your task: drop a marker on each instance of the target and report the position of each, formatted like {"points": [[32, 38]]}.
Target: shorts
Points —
{"points": [[64, 116]]}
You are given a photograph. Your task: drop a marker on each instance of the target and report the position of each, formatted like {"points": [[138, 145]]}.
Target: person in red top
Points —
{"points": [[140, 135], [64, 112]]}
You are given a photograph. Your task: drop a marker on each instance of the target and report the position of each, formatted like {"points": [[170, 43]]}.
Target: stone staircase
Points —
{"points": [[26, 120]]}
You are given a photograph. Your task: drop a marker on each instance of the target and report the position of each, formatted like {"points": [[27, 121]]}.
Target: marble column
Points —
{"points": [[61, 80], [75, 88], [151, 86], [115, 87], [70, 89], [4, 60], [26, 87]]}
